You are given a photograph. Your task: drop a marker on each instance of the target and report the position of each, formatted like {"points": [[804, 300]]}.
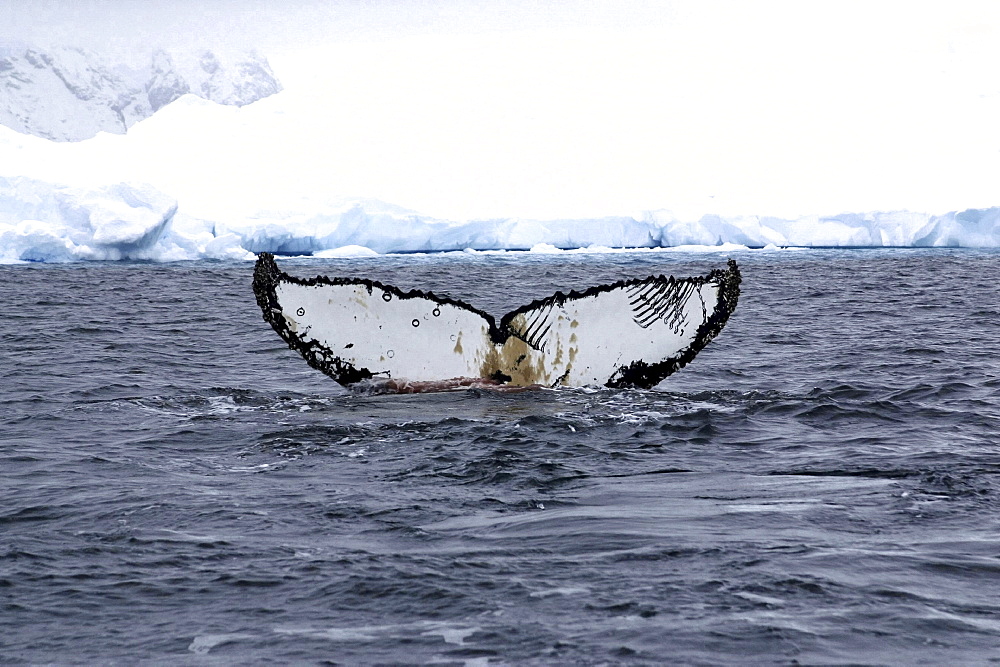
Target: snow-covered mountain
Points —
{"points": [[71, 94]]}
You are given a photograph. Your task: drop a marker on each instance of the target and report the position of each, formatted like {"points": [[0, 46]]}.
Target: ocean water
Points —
{"points": [[820, 486]]}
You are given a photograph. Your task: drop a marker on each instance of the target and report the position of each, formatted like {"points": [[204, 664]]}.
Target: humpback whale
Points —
{"points": [[632, 333]]}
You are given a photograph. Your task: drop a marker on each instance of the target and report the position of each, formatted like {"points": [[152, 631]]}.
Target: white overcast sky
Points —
{"points": [[554, 109]]}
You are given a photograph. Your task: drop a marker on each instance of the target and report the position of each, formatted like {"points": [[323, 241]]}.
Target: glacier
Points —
{"points": [[211, 176], [48, 222]]}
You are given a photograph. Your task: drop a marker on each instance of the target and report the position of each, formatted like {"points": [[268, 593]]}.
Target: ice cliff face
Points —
{"points": [[46, 222], [70, 94]]}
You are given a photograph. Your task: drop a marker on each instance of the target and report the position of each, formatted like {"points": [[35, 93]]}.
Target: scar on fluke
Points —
{"points": [[632, 333]]}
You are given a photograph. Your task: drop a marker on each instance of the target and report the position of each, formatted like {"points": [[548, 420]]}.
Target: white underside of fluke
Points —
{"points": [[582, 342], [414, 339]]}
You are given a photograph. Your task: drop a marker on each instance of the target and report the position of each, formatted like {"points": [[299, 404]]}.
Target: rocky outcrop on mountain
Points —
{"points": [[71, 94]]}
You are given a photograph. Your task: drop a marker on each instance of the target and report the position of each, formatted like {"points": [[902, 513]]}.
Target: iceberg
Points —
{"points": [[44, 222], [47, 222]]}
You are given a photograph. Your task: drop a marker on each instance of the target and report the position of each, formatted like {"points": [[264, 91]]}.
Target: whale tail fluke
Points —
{"points": [[632, 333]]}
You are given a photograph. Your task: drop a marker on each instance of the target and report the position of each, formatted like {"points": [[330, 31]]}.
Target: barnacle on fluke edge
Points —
{"points": [[632, 333]]}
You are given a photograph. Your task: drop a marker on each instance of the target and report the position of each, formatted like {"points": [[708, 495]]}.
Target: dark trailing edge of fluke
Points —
{"points": [[641, 374], [638, 374]]}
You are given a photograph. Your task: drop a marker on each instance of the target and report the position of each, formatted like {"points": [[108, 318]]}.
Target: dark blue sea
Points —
{"points": [[820, 486]]}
